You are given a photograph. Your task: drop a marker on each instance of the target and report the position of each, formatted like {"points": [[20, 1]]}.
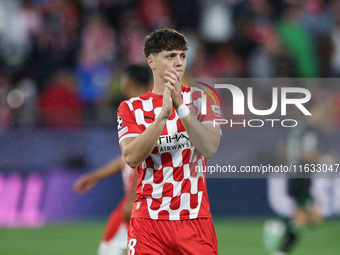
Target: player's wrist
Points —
{"points": [[183, 111], [162, 117], [178, 103]]}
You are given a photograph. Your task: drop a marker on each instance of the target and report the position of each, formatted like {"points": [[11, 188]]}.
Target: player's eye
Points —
{"points": [[183, 56]]}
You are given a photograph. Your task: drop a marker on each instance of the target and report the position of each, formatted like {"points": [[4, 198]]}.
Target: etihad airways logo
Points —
{"points": [[174, 142]]}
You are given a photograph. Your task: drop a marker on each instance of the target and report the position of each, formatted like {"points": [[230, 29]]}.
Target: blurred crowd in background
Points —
{"points": [[61, 60]]}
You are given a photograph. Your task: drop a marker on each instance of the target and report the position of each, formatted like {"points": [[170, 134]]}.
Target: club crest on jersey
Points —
{"points": [[216, 110], [119, 122]]}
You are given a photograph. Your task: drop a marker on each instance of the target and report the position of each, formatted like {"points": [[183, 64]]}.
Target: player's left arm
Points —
{"points": [[205, 137]]}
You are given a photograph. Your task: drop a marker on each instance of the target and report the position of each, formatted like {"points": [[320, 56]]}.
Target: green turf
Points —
{"points": [[236, 237], [246, 237], [64, 239]]}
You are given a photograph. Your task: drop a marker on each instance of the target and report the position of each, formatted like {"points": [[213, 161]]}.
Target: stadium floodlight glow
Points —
{"points": [[239, 100]]}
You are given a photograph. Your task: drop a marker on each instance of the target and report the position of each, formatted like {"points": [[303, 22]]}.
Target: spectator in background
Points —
{"points": [[131, 38], [21, 23], [60, 106], [162, 13], [216, 25], [186, 14], [298, 41], [317, 18], [113, 12], [96, 66], [95, 60], [270, 59], [263, 59], [335, 38], [57, 41]]}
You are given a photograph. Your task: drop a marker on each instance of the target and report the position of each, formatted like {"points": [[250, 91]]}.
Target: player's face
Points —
{"points": [[166, 60]]}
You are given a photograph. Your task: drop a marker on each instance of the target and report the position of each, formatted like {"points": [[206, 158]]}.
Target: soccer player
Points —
{"points": [[304, 145], [160, 137], [135, 81]]}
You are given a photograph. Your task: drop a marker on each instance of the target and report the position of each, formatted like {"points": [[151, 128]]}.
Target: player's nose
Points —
{"points": [[178, 61]]}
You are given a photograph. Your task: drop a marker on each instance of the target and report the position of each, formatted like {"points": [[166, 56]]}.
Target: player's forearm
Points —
{"points": [[136, 150], [205, 138], [110, 169]]}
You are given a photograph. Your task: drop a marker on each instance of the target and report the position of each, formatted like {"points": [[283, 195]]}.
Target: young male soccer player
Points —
{"points": [[135, 81], [161, 138]]}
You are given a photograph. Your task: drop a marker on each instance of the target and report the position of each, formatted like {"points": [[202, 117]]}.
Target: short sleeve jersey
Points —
{"points": [[168, 187]]}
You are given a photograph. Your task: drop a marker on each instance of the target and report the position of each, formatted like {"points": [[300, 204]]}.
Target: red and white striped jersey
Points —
{"points": [[168, 186]]}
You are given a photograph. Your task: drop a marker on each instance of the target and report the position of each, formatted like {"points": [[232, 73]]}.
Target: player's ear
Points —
{"points": [[151, 61]]}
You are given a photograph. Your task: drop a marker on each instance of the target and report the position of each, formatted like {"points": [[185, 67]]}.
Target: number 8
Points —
{"points": [[131, 246]]}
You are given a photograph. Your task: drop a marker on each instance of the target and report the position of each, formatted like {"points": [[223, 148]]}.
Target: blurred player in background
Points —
{"points": [[135, 81], [304, 145], [171, 214]]}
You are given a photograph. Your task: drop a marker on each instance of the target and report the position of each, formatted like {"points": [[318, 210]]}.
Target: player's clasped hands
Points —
{"points": [[167, 104], [174, 85]]}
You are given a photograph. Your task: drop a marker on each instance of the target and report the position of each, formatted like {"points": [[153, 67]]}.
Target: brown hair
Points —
{"points": [[164, 39]]}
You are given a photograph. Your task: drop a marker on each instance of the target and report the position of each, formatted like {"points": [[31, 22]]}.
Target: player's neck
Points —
{"points": [[158, 86], [158, 90]]}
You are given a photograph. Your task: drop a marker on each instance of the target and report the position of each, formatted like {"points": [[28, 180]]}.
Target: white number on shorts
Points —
{"points": [[131, 246]]}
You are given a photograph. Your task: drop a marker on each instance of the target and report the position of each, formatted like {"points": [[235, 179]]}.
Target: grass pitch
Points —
{"points": [[237, 237]]}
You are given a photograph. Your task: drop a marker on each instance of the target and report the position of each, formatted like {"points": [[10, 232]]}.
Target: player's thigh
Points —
{"points": [[146, 236], [196, 237]]}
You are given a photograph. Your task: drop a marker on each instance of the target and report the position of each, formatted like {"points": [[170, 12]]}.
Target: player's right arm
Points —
{"points": [[136, 149], [86, 182]]}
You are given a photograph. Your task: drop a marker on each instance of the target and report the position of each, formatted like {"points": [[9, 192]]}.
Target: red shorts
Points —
{"points": [[196, 237]]}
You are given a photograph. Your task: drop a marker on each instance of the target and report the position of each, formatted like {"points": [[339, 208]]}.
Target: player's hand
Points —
{"points": [[174, 85], [85, 183], [167, 106]]}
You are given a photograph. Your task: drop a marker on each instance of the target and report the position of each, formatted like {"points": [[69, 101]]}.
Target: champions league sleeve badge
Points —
{"points": [[119, 122]]}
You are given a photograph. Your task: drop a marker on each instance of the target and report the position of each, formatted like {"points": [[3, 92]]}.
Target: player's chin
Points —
{"points": [[181, 74]]}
